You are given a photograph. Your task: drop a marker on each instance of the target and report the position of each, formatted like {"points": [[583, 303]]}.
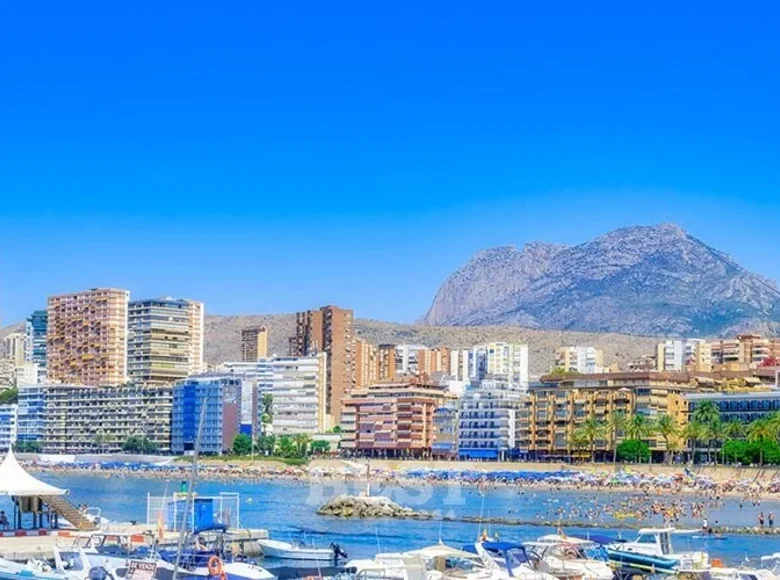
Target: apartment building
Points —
{"points": [[31, 413], [36, 327], [580, 359], [558, 406], [461, 363], [329, 330], [744, 407], [744, 352], [433, 360], [501, 359], [386, 357], [254, 343], [87, 337], [299, 389], [445, 429], [488, 423], [681, 355], [393, 418], [14, 348], [221, 396], [8, 415], [84, 419], [165, 341], [366, 363]]}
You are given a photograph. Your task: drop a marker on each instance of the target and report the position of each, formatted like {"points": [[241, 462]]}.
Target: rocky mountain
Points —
{"points": [[652, 280]]}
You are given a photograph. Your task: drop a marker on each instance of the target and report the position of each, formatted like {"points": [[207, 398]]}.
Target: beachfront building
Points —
{"points": [[86, 340], [392, 418], [31, 413], [487, 428], [299, 389], [366, 363], [580, 359], [681, 355], [445, 430], [36, 327], [83, 419], [221, 395], [165, 341], [255, 379], [559, 405], [8, 426], [744, 407]]}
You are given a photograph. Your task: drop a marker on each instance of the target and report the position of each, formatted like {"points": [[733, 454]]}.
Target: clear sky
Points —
{"points": [[276, 156]]}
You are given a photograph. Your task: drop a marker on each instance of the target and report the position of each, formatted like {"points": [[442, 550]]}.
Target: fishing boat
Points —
{"points": [[652, 550], [564, 556], [299, 551]]}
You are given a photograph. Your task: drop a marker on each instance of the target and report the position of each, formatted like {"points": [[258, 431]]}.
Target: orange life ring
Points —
{"points": [[215, 566]]}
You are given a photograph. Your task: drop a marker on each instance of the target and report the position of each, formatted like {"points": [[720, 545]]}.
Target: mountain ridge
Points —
{"points": [[654, 280]]}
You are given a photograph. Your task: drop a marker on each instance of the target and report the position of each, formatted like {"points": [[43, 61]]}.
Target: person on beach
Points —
{"points": [[760, 519], [4, 521], [771, 519]]}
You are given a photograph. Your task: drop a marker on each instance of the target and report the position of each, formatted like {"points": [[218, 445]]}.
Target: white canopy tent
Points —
{"points": [[16, 482]]}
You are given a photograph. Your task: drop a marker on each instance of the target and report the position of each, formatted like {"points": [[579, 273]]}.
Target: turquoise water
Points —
{"points": [[285, 507]]}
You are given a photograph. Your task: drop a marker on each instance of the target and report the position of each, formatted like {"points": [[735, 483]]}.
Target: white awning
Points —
{"points": [[16, 482]]}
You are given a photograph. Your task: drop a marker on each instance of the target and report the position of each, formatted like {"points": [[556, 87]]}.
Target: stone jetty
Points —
{"points": [[354, 506]]}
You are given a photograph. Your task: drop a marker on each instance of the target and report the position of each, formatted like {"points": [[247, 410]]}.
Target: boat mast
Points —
{"points": [[190, 488]]}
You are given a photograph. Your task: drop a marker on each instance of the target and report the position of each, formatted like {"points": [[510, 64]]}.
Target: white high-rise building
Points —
{"points": [[678, 355], [406, 359], [298, 386], [488, 420], [580, 359], [501, 359], [8, 415]]}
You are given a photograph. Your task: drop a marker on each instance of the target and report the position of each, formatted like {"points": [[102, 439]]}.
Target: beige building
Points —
{"points": [[366, 363], [580, 359], [693, 355], [87, 337], [746, 351], [14, 348], [254, 344], [433, 360], [329, 330], [165, 341]]}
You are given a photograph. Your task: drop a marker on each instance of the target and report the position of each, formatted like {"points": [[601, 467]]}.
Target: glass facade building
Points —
{"points": [[221, 395], [742, 407]]}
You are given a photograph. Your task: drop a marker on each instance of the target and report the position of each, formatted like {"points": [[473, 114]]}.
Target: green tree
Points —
{"points": [[9, 396], [266, 444], [760, 432], [592, 429], [668, 428], [28, 447], [634, 450], [301, 442], [708, 415], [320, 447], [695, 432], [267, 416], [576, 441], [616, 427], [286, 447], [242, 444], [336, 429], [731, 430]]}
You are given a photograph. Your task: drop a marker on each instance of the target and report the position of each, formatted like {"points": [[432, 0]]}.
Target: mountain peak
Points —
{"points": [[655, 279]]}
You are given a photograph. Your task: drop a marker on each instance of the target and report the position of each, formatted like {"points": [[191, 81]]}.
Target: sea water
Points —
{"points": [[287, 509]]}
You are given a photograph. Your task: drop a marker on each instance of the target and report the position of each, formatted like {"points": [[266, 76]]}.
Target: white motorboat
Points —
{"points": [[297, 551], [565, 557], [39, 570], [510, 559], [652, 550], [748, 573]]}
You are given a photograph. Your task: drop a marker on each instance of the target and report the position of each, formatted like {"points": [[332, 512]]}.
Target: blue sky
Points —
{"points": [[276, 156]]}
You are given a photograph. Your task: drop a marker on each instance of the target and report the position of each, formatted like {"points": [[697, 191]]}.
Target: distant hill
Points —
{"points": [[649, 280]]}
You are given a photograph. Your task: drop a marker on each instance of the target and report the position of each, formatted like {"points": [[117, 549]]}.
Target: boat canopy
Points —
{"points": [[443, 551], [16, 482]]}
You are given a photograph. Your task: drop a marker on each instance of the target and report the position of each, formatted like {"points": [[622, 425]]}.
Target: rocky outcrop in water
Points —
{"points": [[351, 506]]}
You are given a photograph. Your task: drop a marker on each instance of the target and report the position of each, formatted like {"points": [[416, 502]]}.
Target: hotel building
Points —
{"points": [[83, 419], [489, 419], [393, 419], [558, 406], [87, 337], [165, 341], [299, 389], [221, 395]]}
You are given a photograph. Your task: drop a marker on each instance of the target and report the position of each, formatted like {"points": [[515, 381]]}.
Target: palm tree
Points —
{"points": [[732, 429], [616, 426], [592, 429], [706, 413], [694, 432], [760, 431], [667, 427], [577, 441], [301, 442]]}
